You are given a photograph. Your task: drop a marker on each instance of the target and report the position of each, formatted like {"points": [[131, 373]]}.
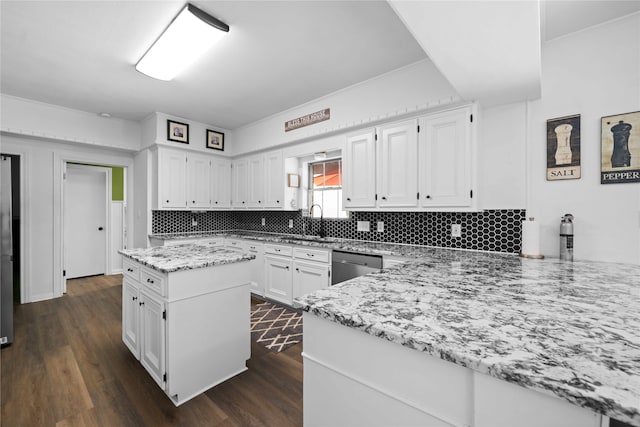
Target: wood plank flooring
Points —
{"points": [[69, 367]]}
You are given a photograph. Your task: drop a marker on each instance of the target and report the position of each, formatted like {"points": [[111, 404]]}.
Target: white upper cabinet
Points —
{"points": [[220, 183], [274, 182], [359, 170], [397, 167], [172, 179], [256, 182], [240, 184], [446, 159], [198, 181], [417, 164]]}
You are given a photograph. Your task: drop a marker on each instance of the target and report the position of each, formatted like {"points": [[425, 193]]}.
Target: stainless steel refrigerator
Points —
{"points": [[6, 246]]}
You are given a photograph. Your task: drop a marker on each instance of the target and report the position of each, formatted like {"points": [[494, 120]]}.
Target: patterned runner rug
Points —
{"points": [[275, 327]]}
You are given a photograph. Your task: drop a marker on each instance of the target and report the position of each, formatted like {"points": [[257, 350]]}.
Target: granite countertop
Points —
{"points": [[167, 259], [567, 329]]}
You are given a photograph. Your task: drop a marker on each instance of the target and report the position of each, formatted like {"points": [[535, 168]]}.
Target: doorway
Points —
{"points": [[87, 196], [10, 219]]}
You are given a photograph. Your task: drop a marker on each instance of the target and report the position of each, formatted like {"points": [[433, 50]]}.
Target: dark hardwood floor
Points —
{"points": [[68, 366]]}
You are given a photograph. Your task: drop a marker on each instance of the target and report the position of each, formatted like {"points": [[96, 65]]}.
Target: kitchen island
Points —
{"points": [[458, 338], [186, 315]]}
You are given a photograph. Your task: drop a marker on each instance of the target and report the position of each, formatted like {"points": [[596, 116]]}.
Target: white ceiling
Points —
{"points": [[81, 54]]}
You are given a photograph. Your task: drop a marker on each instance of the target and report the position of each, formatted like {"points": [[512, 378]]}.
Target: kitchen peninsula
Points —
{"points": [[475, 339], [186, 315]]}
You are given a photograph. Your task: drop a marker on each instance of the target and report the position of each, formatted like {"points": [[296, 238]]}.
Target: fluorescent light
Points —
{"points": [[186, 39]]}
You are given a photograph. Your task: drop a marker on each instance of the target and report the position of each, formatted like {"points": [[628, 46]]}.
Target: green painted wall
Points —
{"points": [[117, 180]]}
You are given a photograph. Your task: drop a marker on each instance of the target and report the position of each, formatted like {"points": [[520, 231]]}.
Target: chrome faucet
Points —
{"points": [[321, 232]]}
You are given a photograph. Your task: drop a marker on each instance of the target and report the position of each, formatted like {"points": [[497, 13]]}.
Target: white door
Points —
{"points": [[359, 171], [131, 316], [172, 179], [398, 165], [152, 337], [86, 223], [256, 182], [240, 183]]}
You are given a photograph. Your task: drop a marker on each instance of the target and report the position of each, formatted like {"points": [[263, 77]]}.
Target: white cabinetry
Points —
{"points": [[169, 319], [445, 159], [256, 182], [359, 172], [397, 167], [274, 182], [417, 164], [311, 270], [220, 183], [277, 273], [257, 266], [240, 184], [191, 181], [172, 179], [198, 181]]}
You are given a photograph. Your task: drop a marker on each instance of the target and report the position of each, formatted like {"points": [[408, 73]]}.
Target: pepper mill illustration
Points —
{"points": [[621, 156], [563, 150]]}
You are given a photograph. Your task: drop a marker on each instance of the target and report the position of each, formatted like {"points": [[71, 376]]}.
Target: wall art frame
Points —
{"points": [[563, 148], [178, 132], [215, 140], [620, 148]]}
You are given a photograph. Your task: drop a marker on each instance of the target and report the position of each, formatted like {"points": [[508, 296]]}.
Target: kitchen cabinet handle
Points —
{"points": [[277, 201], [194, 202], [216, 202], [428, 196], [298, 270], [259, 201], [134, 298], [243, 202], [149, 281], [287, 267], [141, 303], [311, 255], [167, 201], [130, 270], [348, 199]]}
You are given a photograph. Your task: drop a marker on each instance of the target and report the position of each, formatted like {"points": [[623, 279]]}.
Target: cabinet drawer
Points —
{"points": [[130, 269], [311, 254], [232, 243], [278, 250], [153, 281], [253, 247]]}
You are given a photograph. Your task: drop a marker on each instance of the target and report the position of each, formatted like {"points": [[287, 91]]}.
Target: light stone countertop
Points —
{"points": [[167, 259], [571, 330]]}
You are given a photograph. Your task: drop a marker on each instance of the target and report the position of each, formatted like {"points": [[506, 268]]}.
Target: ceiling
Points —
{"points": [[277, 55]]}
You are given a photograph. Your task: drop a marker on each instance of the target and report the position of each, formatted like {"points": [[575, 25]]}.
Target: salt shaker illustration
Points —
{"points": [[621, 156], [563, 150]]}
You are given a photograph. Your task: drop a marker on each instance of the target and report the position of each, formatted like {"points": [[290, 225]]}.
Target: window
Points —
{"points": [[325, 189]]}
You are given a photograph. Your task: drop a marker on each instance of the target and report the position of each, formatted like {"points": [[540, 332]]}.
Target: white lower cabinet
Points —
{"points": [[309, 277], [190, 329], [152, 336], [278, 277], [256, 266]]}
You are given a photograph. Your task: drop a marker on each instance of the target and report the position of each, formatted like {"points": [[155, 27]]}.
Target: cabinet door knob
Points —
{"points": [[243, 202], [141, 303], [277, 201], [193, 201], [384, 198], [348, 199], [134, 298], [428, 197], [149, 281], [298, 270], [287, 267], [216, 203], [167, 201], [259, 201]]}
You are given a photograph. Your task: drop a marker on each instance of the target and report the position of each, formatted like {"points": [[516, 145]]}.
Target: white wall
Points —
{"points": [[593, 73], [41, 195], [417, 86], [36, 119], [154, 131]]}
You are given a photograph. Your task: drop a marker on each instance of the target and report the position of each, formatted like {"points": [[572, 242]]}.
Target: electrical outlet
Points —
{"points": [[456, 230], [363, 225], [290, 223], [263, 221], [194, 222], [380, 226]]}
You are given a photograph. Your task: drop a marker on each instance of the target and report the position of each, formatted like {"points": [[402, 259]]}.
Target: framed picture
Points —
{"points": [[293, 180], [215, 140], [620, 148], [178, 132], [563, 148]]}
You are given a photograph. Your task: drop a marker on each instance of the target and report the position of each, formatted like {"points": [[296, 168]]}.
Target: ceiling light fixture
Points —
{"points": [[186, 38]]}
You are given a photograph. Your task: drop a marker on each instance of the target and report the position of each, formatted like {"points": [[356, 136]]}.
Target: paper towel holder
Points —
{"points": [[530, 256]]}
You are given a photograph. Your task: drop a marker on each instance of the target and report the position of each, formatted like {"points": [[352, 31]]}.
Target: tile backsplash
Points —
{"points": [[490, 230]]}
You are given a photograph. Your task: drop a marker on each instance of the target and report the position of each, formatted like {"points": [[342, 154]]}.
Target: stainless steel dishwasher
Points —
{"points": [[347, 265]]}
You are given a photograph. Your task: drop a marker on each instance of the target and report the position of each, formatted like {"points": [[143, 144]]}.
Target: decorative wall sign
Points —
{"points": [[178, 132], [309, 119], [215, 140], [293, 180], [620, 148], [563, 148]]}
